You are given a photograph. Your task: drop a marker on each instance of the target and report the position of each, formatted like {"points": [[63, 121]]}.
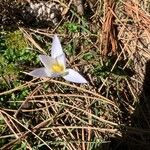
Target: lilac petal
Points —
{"points": [[56, 49], [74, 76], [47, 61], [61, 59], [40, 72]]}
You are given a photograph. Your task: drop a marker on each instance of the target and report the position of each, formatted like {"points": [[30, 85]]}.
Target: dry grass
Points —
{"points": [[112, 111]]}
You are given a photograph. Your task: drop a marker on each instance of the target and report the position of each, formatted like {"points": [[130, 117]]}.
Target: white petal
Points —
{"points": [[40, 72], [61, 59], [74, 76], [56, 49], [47, 61]]}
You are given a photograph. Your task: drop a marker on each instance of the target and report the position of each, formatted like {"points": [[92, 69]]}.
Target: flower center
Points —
{"points": [[57, 68]]}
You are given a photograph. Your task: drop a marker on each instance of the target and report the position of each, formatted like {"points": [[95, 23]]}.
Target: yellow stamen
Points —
{"points": [[57, 68]]}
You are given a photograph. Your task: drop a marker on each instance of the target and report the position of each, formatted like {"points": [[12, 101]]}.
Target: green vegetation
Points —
{"points": [[55, 114], [15, 57]]}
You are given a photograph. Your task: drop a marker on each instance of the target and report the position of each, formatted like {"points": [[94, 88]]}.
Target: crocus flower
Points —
{"points": [[55, 66]]}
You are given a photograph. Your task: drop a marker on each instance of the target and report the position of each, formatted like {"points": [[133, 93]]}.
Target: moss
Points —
{"points": [[15, 40]]}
